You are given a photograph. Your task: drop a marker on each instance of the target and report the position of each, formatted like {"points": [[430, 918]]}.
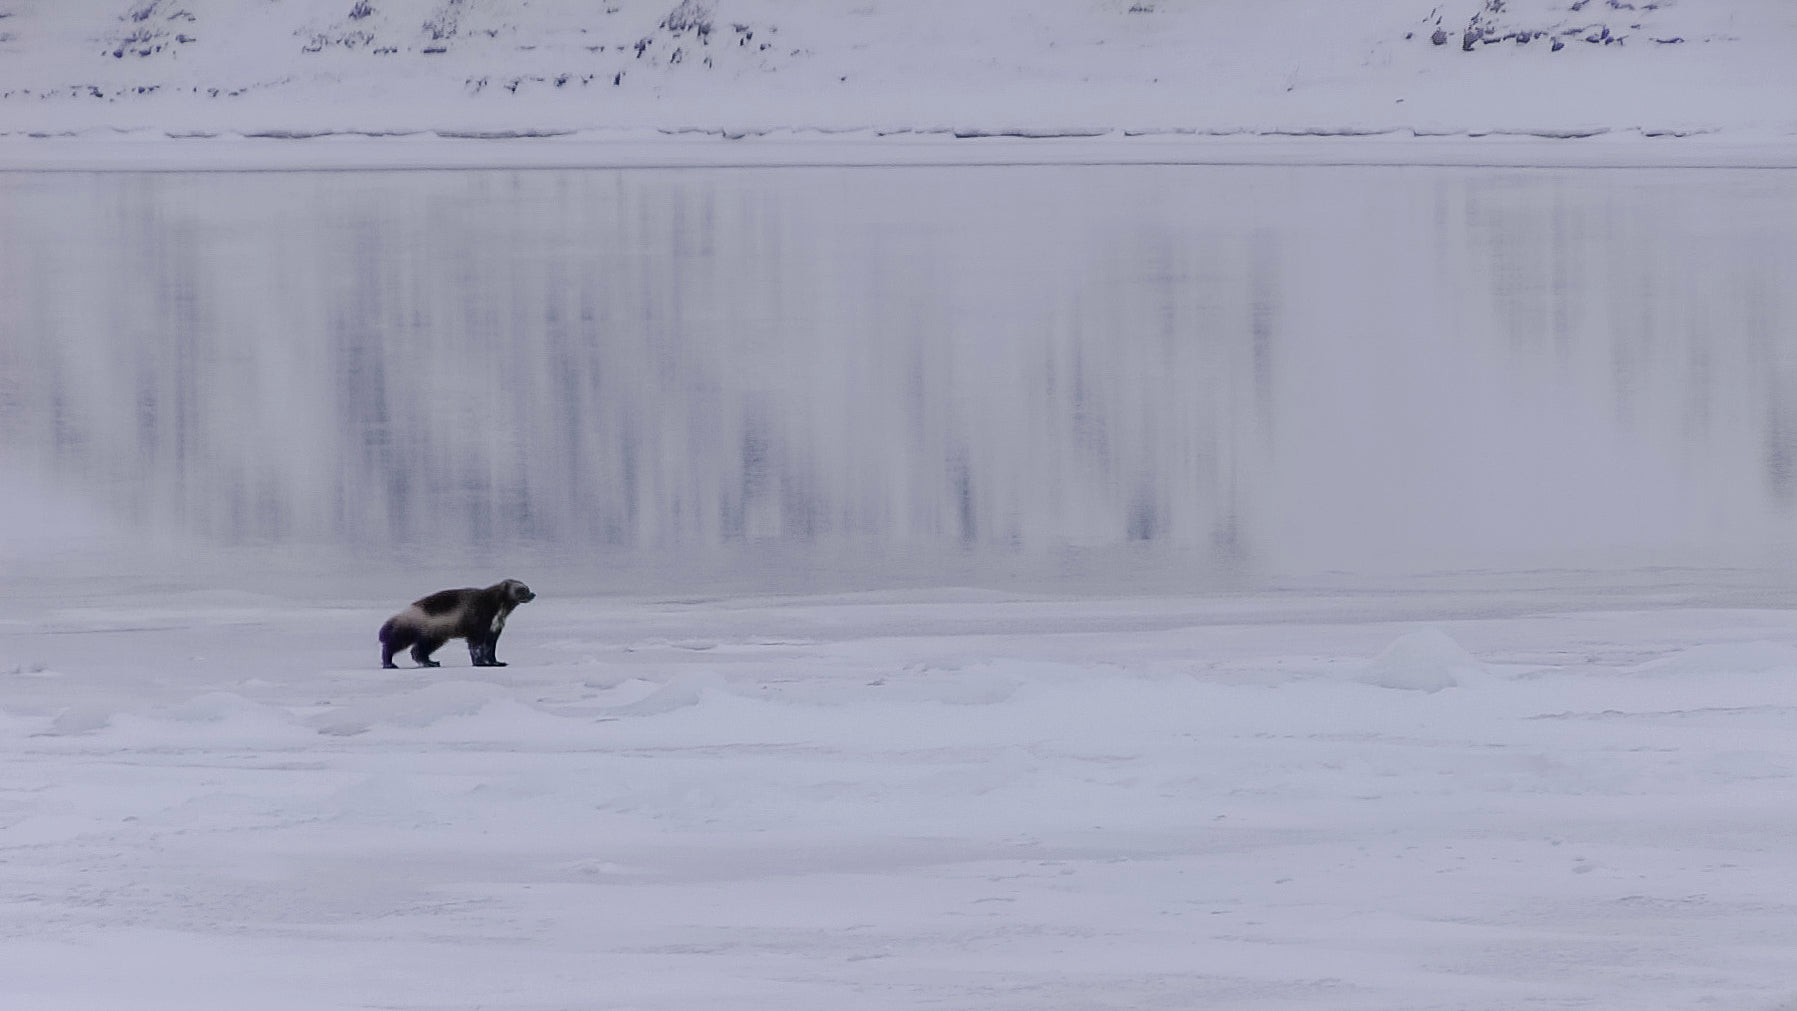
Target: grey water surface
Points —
{"points": [[790, 378]]}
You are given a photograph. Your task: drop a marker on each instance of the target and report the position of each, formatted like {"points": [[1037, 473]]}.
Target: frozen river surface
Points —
{"points": [[1084, 376]]}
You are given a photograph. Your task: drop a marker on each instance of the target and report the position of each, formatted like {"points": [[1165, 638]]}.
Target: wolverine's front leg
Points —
{"points": [[481, 650]]}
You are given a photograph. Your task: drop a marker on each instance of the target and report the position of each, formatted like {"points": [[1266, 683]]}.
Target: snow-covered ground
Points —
{"points": [[954, 799]]}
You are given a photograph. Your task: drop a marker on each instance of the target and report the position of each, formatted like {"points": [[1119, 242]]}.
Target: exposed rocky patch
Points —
{"points": [[150, 28], [355, 30], [604, 44], [688, 37], [1556, 25]]}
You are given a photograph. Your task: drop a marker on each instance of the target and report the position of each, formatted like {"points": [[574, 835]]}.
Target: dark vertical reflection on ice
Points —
{"points": [[1179, 374]]}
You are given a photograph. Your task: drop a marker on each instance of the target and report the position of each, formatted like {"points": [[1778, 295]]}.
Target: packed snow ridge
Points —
{"points": [[486, 68]]}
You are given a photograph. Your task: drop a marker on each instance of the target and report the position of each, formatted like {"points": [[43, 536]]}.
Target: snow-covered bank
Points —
{"points": [[957, 800], [153, 152], [483, 68]]}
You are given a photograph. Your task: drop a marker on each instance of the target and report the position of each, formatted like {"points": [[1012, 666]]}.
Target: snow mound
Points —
{"points": [[425, 707], [1422, 661], [927, 684], [1724, 658], [12, 726], [211, 719], [980, 685], [214, 708], [81, 718], [679, 693]]}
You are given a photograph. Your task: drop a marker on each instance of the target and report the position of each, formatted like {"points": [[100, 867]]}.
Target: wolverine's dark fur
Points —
{"points": [[473, 614]]}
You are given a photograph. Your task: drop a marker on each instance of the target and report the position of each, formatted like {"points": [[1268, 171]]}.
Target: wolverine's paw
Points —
{"points": [[390, 665], [429, 663]]}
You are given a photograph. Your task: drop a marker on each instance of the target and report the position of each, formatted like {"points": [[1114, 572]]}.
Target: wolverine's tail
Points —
{"points": [[387, 631]]}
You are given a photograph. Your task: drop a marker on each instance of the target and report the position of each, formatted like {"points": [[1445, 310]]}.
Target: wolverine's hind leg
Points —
{"points": [[393, 639], [427, 644]]}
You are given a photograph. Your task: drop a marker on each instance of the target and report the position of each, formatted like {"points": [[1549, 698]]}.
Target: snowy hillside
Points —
{"points": [[736, 67]]}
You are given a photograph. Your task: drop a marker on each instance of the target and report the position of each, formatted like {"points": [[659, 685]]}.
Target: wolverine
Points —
{"points": [[468, 613]]}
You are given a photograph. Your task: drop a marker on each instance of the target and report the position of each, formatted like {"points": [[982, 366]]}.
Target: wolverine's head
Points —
{"points": [[517, 591]]}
